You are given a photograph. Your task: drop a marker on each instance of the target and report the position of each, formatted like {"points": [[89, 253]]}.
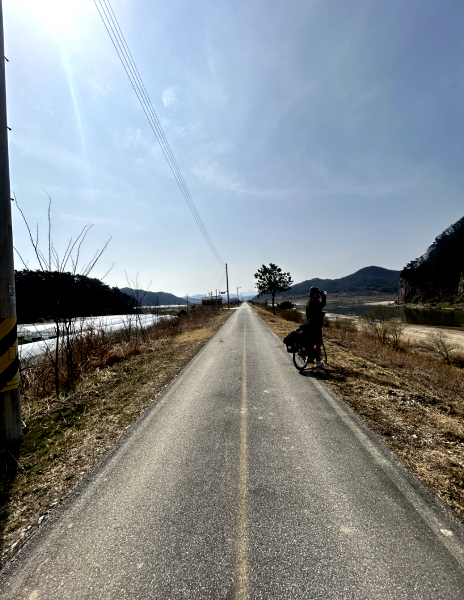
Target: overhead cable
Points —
{"points": [[122, 49], [220, 285]]}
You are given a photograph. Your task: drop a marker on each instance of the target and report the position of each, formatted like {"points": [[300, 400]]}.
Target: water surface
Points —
{"points": [[413, 316]]}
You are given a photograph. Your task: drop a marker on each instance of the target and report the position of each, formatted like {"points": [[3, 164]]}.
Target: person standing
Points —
{"points": [[314, 320]]}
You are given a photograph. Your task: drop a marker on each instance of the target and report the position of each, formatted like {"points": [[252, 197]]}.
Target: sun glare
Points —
{"points": [[60, 18]]}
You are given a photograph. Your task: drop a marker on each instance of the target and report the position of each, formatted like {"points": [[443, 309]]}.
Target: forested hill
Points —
{"points": [[438, 275], [51, 295], [153, 298], [367, 281]]}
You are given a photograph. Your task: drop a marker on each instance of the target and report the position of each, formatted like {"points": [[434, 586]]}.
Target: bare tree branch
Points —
{"points": [[102, 278], [65, 256], [22, 260], [49, 230], [29, 231], [56, 258], [82, 235], [93, 262]]}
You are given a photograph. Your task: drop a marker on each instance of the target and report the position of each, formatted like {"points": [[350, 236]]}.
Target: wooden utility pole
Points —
{"points": [[10, 404]]}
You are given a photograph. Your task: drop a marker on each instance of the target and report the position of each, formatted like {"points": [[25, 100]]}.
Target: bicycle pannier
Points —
{"points": [[292, 341]]}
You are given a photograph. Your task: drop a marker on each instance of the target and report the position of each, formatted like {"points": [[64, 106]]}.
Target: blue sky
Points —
{"points": [[324, 136]]}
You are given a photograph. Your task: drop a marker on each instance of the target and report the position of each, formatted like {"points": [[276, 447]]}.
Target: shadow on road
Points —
{"points": [[8, 471], [315, 373]]}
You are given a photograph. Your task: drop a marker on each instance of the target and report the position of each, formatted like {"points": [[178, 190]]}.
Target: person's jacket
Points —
{"points": [[314, 308]]}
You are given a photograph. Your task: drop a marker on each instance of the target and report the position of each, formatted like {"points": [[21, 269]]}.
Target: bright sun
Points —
{"points": [[61, 18]]}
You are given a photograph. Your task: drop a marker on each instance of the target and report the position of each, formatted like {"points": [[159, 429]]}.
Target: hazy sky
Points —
{"points": [[324, 135]]}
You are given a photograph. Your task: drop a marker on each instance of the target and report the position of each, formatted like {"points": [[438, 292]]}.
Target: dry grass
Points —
{"points": [[414, 401], [65, 437], [288, 314], [96, 349]]}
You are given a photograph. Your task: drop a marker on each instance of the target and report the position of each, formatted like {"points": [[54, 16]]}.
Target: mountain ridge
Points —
{"points": [[153, 298], [366, 281]]}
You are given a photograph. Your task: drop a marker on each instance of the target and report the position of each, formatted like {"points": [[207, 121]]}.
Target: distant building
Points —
{"points": [[211, 301]]}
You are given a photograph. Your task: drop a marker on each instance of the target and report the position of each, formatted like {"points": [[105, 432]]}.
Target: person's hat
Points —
{"points": [[313, 290]]}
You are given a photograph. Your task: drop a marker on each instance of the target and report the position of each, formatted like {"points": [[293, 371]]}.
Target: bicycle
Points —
{"points": [[305, 352]]}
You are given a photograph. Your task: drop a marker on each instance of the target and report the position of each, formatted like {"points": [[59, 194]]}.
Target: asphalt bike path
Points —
{"points": [[245, 479]]}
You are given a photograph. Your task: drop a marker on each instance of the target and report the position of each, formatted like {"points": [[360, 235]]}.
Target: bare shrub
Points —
{"points": [[394, 333], [378, 324], [343, 325], [375, 322], [292, 315], [286, 304], [440, 345]]}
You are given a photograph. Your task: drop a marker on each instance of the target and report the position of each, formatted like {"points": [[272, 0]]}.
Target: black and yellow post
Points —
{"points": [[10, 405]]}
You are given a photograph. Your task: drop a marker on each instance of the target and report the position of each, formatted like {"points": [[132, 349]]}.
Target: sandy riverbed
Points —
{"points": [[419, 333]]}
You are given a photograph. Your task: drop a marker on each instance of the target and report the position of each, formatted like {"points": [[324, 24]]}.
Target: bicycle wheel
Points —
{"points": [[300, 360]]}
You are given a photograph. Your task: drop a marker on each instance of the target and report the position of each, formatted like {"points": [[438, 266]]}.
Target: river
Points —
{"points": [[412, 316]]}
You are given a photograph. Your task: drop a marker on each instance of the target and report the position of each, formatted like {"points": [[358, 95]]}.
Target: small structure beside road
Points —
{"points": [[211, 301]]}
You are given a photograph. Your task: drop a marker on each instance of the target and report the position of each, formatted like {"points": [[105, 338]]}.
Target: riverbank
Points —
{"points": [[415, 334], [442, 306]]}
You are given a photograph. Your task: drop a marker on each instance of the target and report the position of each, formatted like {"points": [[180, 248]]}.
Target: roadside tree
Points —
{"points": [[271, 280]]}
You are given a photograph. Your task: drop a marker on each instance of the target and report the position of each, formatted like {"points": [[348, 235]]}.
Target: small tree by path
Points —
{"points": [[271, 280]]}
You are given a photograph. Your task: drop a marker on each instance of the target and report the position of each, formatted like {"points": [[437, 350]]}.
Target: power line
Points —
{"points": [[137, 83], [220, 285], [134, 76], [122, 49]]}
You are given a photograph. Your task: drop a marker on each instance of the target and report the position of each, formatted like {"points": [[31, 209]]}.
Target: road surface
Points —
{"points": [[245, 480]]}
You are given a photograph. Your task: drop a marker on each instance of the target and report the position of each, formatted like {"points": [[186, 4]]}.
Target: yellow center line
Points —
{"points": [[242, 541]]}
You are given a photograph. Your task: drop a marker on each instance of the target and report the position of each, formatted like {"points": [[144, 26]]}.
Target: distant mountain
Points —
{"points": [[153, 298], [367, 281], [248, 295], [243, 296], [198, 297], [438, 275]]}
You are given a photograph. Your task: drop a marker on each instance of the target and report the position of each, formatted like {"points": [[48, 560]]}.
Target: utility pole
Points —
{"points": [[10, 404], [227, 280]]}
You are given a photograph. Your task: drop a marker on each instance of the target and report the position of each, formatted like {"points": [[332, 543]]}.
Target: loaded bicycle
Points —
{"points": [[302, 344]]}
